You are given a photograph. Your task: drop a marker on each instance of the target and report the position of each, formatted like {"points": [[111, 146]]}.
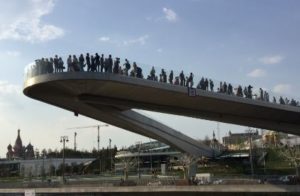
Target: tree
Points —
{"points": [[292, 154]]}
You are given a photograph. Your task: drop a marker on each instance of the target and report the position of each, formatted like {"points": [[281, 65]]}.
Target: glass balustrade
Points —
{"points": [[158, 74]]}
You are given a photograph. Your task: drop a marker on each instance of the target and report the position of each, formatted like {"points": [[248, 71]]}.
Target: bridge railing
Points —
{"points": [[157, 74]]}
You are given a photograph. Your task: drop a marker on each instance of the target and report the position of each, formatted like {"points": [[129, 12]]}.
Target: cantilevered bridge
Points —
{"points": [[111, 97]]}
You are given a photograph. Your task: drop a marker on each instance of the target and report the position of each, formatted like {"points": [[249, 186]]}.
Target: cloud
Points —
{"points": [[8, 89], [270, 60], [10, 53], [119, 42], [283, 88], [22, 22], [104, 39], [140, 40], [170, 15], [159, 50], [257, 73]]}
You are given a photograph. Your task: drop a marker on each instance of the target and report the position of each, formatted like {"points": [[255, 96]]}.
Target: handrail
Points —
{"points": [[173, 77]]}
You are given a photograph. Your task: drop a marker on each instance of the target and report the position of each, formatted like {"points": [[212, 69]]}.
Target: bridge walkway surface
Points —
{"points": [[111, 97]]}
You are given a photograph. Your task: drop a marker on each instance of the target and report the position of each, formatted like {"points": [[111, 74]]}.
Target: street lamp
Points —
{"points": [[111, 163], [63, 139], [139, 148], [98, 140], [250, 132]]}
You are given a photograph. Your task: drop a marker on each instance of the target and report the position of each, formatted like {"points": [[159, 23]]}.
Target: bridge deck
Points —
{"points": [[127, 92]]}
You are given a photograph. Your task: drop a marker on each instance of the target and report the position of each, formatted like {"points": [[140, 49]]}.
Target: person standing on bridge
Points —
{"points": [[182, 78], [102, 63], [127, 67], [109, 64], [211, 85], [97, 62], [116, 65], [69, 62], [81, 62], [190, 80], [171, 75], [88, 61]]}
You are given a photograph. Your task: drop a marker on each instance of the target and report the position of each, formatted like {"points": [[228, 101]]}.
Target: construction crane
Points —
{"points": [[98, 138], [87, 127]]}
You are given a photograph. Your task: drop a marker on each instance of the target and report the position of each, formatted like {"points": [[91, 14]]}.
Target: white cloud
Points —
{"points": [[270, 60], [7, 89], [283, 88], [140, 40], [119, 42], [257, 73], [10, 53], [23, 21], [104, 39], [159, 50], [170, 15]]}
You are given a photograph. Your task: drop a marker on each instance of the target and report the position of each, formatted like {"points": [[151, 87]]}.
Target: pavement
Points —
{"points": [[161, 190]]}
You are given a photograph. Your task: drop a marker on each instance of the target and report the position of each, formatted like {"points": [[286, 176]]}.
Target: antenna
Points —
{"points": [[75, 144], [218, 131]]}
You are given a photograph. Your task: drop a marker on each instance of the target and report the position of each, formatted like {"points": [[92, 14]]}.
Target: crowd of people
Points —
{"points": [[97, 63]]}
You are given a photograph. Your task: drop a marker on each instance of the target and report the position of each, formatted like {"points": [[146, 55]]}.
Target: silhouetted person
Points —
{"points": [[50, 65], [163, 76], [138, 71], [75, 63], [246, 92], [69, 62], [171, 75], [182, 78], [97, 62], [206, 84], [261, 96], [230, 89], [152, 73], [116, 66], [102, 63], [109, 64], [239, 91], [61, 66], [266, 96], [221, 87], [190, 80], [281, 101], [88, 62], [55, 62], [225, 87], [93, 64], [176, 80], [287, 101], [274, 100], [127, 67], [211, 85], [250, 91], [81, 62]]}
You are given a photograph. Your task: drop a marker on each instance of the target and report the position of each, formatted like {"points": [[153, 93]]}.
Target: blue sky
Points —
{"points": [[244, 42]]}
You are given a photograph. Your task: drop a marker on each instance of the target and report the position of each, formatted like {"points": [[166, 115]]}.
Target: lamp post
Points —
{"points": [[111, 167], [98, 140], [250, 132], [139, 151], [63, 139]]}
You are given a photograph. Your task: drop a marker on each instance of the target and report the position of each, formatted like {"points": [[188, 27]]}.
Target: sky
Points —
{"points": [[243, 42]]}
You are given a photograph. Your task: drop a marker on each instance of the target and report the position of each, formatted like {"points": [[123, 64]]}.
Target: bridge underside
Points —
{"points": [[110, 98], [62, 94]]}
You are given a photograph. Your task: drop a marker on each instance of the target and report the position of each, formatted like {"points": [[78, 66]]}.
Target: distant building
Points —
{"points": [[149, 155], [19, 151], [237, 141], [38, 167]]}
